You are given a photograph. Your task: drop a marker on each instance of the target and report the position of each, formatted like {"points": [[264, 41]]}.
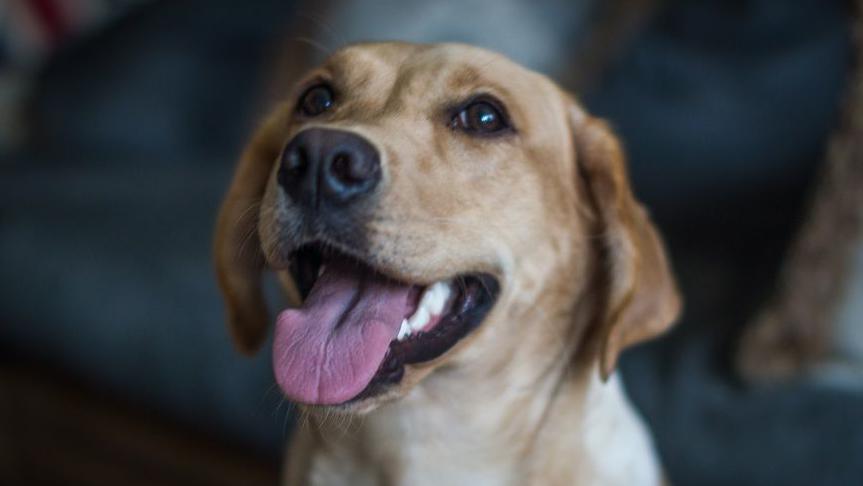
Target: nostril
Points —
{"points": [[341, 168], [294, 164], [363, 168], [296, 161], [350, 170]]}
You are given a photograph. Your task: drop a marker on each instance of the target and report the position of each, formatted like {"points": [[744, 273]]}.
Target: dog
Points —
{"points": [[466, 261]]}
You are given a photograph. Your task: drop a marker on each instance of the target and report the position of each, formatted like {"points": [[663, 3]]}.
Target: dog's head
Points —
{"points": [[433, 205]]}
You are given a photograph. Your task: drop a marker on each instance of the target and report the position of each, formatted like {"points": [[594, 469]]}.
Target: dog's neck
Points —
{"points": [[460, 427], [434, 437]]}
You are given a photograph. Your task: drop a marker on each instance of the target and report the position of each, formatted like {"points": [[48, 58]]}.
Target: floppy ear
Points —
{"points": [[236, 247], [640, 297]]}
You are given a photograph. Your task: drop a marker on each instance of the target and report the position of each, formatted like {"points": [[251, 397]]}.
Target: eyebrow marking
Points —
{"points": [[465, 76]]}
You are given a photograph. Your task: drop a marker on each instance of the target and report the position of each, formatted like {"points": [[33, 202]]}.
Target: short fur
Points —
{"points": [[531, 396]]}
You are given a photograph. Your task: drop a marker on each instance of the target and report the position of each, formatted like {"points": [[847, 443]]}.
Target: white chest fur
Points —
{"points": [[602, 442]]}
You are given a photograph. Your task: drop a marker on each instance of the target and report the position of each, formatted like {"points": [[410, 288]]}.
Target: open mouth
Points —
{"points": [[358, 328]]}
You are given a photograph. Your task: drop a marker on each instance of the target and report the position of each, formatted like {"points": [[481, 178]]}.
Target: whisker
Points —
{"points": [[326, 28], [251, 228], [288, 413], [313, 43]]}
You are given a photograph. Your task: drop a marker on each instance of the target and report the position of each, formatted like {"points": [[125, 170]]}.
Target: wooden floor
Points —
{"points": [[53, 431]]}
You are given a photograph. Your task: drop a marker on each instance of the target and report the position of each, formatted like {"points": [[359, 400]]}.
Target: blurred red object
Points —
{"points": [[31, 29]]}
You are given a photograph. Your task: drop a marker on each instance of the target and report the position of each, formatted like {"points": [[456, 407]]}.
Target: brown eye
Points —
{"points": [[316, 100], [480, 117]]}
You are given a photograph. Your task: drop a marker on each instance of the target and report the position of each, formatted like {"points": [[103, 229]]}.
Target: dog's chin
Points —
{"points": [[370, 400], [373, 335], [379, 394]]}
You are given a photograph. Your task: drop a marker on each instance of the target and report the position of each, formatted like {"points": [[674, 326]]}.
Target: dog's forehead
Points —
{"points": [[363, 59], [397, 80], [422, 69]]}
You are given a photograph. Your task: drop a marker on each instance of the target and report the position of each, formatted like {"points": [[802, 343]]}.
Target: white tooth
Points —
{"points": [[404, 331], [441, 292], [429, 296], [419, 319], [321, 269], [431, 304]]}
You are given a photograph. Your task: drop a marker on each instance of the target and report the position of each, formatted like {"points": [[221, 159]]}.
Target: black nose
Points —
{"points": [[323, 166]]}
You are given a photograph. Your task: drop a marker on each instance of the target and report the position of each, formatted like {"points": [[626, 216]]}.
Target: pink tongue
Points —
{"points": [[326, 352]]}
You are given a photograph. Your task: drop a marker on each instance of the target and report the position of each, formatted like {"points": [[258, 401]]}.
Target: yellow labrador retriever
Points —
{"points": [[467, 260]]}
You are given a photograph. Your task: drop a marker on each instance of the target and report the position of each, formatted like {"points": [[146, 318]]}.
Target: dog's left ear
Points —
{"points": [[640, 296], [236, 246]]}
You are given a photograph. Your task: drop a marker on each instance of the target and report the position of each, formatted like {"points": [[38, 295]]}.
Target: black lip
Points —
{"points": [[475, 297], [304, 265]]}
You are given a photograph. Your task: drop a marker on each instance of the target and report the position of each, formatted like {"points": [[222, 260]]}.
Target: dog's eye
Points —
{"points": [[480, 117], [316, 100]]}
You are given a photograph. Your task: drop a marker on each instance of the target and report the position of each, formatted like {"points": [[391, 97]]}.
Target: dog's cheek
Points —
{"points": [[277, 223]]}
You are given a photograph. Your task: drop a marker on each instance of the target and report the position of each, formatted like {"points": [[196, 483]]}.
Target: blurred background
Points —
{"points": [[120, 122]]}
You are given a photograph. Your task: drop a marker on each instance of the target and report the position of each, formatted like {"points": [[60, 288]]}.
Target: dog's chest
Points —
{"points": [[418, 446], [416, 466], [597, 439]]}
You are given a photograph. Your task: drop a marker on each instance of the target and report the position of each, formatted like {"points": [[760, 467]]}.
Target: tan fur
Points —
{"points": [[547, 210]]}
